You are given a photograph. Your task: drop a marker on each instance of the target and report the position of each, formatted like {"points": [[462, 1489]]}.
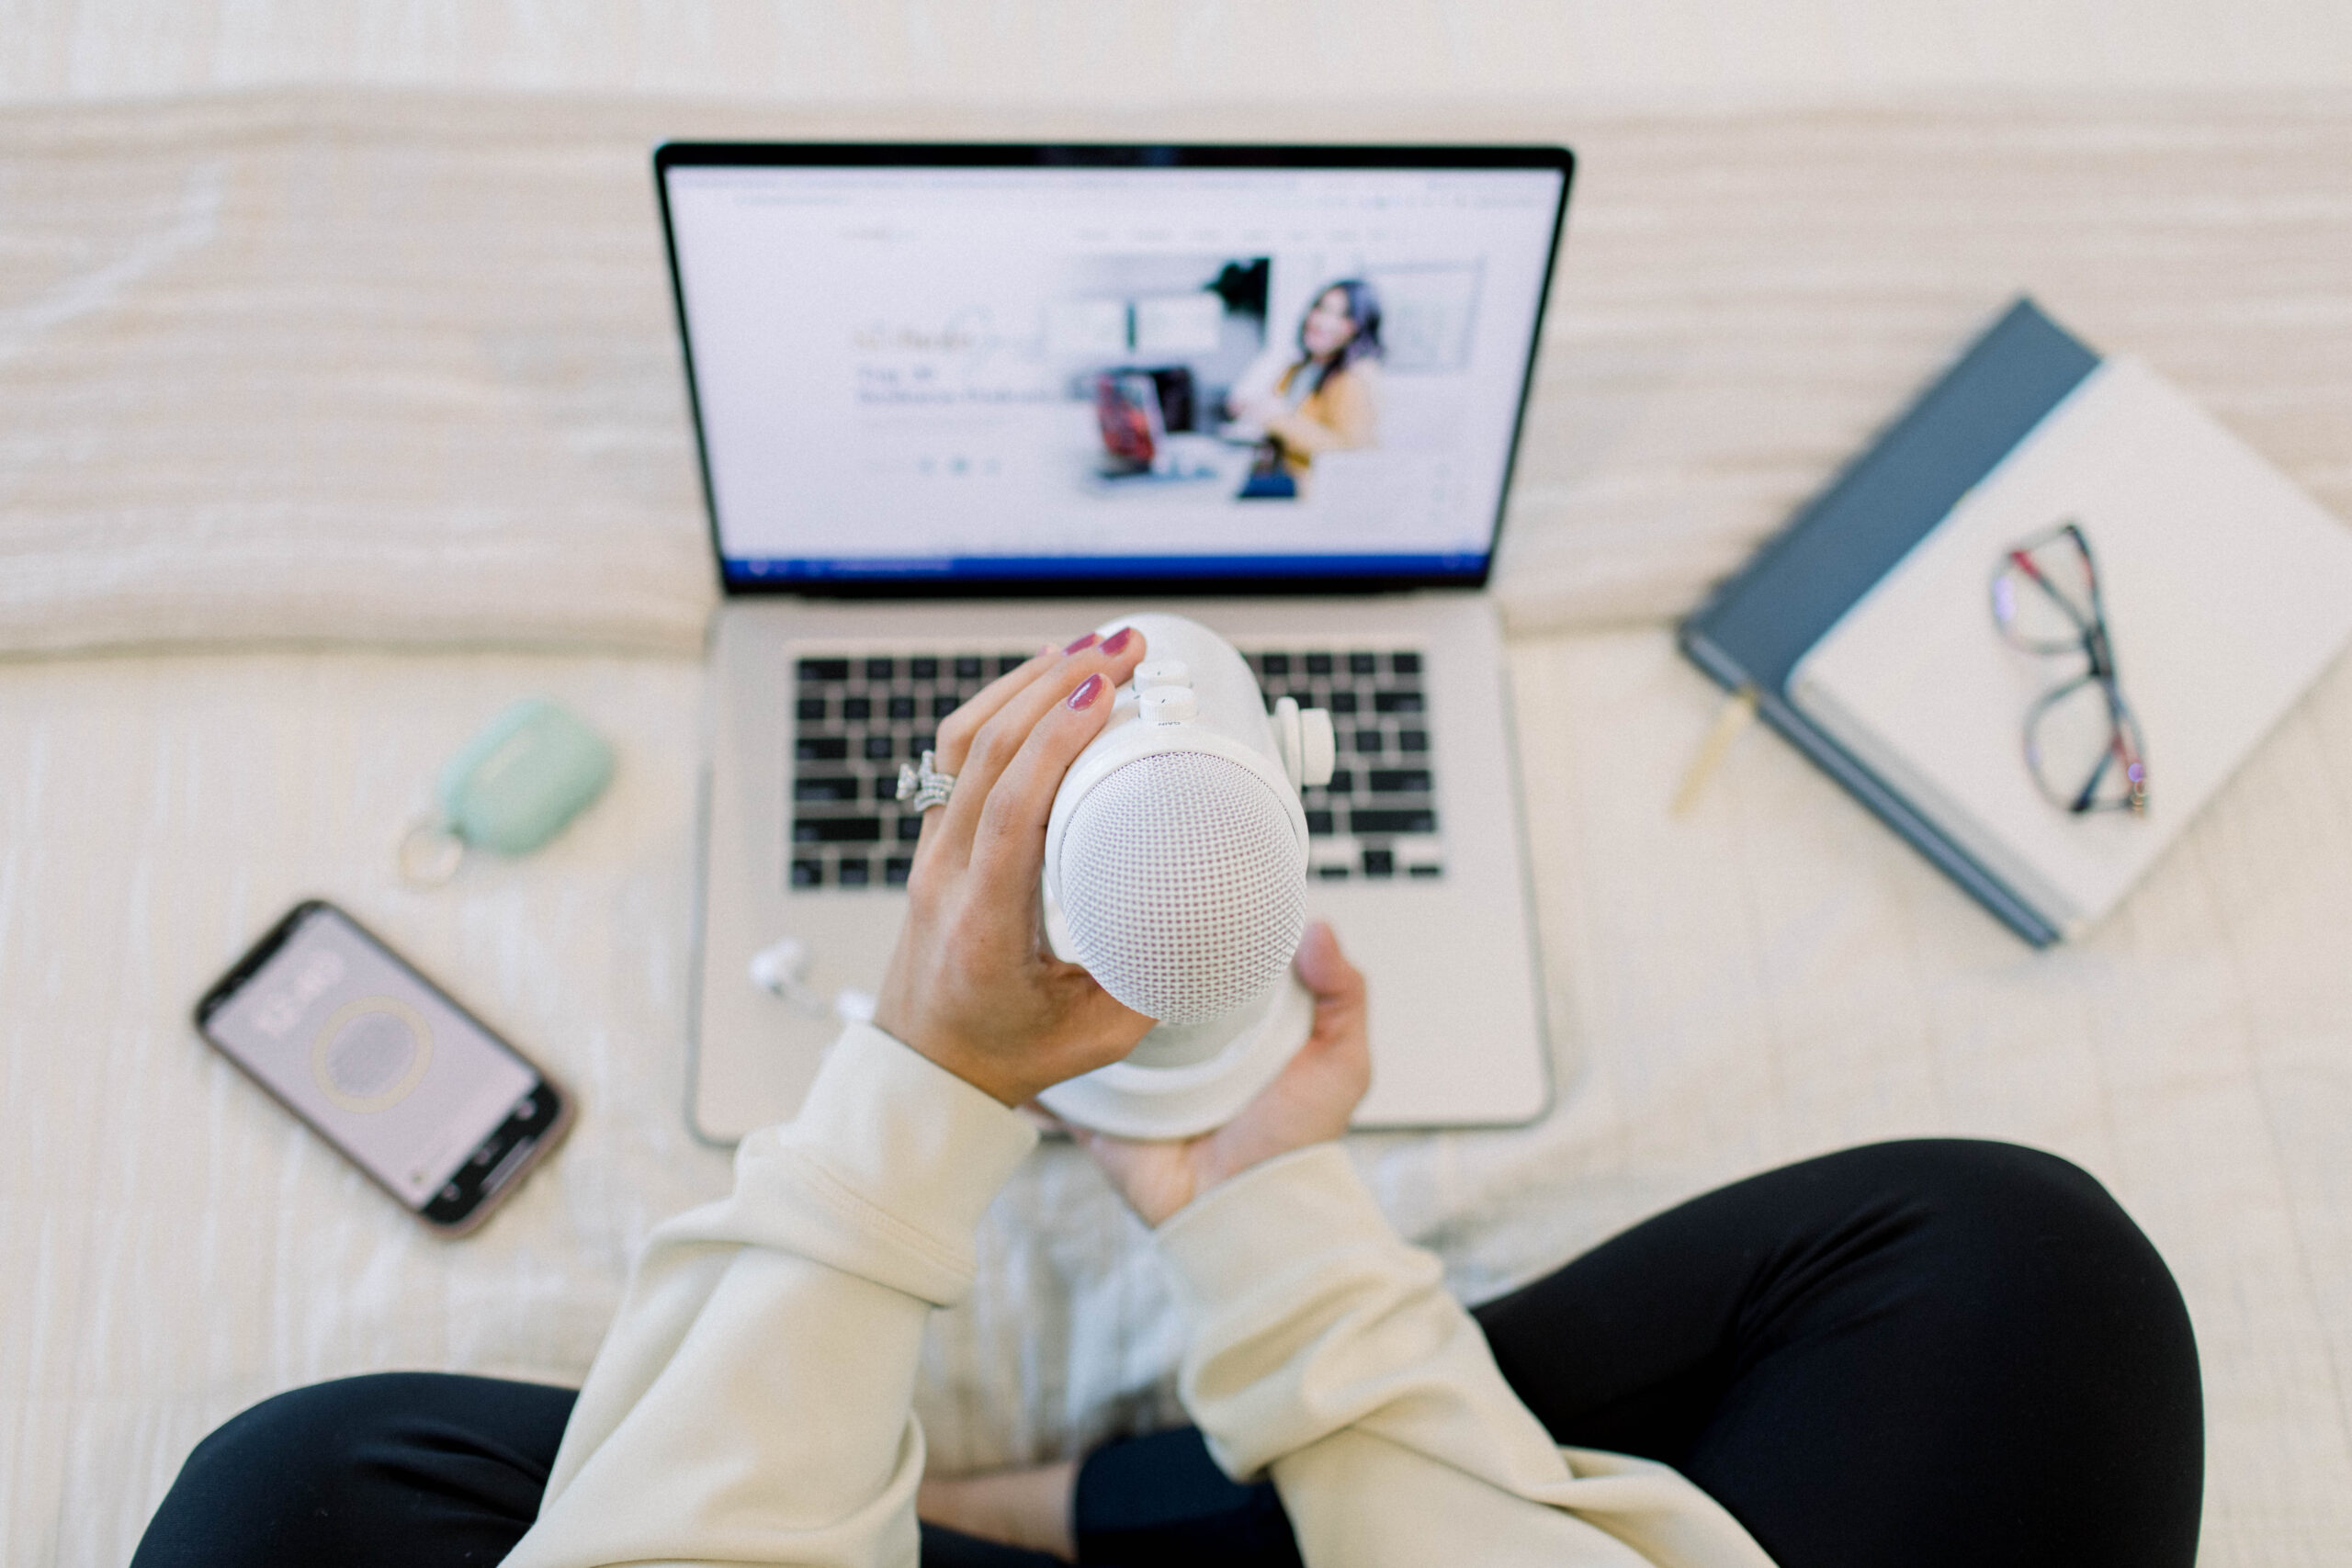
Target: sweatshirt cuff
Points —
{"points": [[1269, 1223], [892, 1157]]}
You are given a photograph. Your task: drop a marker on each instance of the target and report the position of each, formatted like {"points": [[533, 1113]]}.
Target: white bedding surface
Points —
{"points": [[302, 369], [1775, 977]]}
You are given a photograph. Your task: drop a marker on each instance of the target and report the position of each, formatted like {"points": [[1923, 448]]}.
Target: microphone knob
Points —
{"points": [[1319, 748], [1168, 704], [1163, 672]]}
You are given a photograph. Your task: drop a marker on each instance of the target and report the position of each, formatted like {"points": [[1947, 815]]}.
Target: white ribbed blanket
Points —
{"points": [[359, 367], [401, 370]]}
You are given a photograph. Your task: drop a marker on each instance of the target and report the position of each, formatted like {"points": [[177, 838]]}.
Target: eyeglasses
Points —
{"points": [[2082, 745]]}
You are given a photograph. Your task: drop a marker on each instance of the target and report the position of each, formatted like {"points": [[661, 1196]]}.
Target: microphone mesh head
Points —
{"points": [[1181, 885]]}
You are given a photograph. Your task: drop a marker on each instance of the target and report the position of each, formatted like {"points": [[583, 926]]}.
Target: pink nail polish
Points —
{"points": [[1087, 641], [1117, 641], [1087, 690]]}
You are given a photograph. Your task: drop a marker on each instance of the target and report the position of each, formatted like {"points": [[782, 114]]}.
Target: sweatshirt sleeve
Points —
{"points": [[751, 1403], [1323, 1348]]}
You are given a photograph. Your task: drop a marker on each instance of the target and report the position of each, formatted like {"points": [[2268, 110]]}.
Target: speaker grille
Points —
{"points": [[1183, 886]]}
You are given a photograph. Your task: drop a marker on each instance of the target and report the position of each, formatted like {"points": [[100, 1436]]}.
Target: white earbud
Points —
{"points": [[781, 968]]}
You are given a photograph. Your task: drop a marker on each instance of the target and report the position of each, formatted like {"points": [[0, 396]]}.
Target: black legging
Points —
{"points": [[1917, 1354]]}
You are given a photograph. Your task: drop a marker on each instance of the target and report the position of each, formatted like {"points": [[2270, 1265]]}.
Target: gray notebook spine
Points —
{"points": [[1883, 803]]}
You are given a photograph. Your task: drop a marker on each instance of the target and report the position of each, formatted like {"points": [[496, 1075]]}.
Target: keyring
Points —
{"points": [[429, 852], [921, 786]]}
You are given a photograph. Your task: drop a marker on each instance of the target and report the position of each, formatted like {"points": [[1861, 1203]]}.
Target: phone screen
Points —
{"points": [[376, 1058]]}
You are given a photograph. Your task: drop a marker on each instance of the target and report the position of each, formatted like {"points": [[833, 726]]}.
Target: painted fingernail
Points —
{"points": [[1089, 640], [1118, 641], [1087, 690]]}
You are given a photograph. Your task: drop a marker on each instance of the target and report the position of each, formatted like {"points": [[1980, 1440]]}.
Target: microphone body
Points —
{"points": [[1176, 874]]}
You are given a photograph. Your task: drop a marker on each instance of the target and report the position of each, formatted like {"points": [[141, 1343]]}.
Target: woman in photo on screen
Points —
{"points": [[1939, 1353], [1325, 401]]}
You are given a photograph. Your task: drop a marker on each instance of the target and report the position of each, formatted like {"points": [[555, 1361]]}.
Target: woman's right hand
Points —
{"points": [[971, 984]]}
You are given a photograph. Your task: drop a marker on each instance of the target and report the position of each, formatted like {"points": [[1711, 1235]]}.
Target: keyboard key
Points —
{"points": [[897, 868], [1381, 702], [1412, 740], [903, 707], [918, 744], [836, 830], [922, 669], [1364, 664], [822, 748], [1425, 870], [808, 872], [1319, 824], [1008, 662], [886, 786], [878, 748], [824, 668], [1368, 741], [811, 710], [910, 829], [853, 873], [1379, 862], [1319, 664], [1332, 872], [1274, 663], [1388, 820], [857, 710], [1342, 701], [1400, 781], [881, 669], [944, 703], [836, 788], [1406, 663], [969, 668], [1342, 781]]}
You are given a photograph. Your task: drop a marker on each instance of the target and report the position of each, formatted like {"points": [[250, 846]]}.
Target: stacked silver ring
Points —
{"points": [[921, 786]]}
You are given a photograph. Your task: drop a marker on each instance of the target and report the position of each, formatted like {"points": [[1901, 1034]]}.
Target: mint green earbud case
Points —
{"points": [[531, 769]]}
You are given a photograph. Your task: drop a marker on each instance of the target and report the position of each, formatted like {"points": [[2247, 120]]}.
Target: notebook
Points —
{"points": [[1870, 634]]}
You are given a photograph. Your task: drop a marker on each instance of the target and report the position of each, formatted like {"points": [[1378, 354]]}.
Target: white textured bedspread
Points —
{"points": [[1773, 977], [289, 369]]}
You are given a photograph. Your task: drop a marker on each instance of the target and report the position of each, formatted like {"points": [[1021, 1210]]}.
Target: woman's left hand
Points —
{"points": [[971, 984], [1308, 1103]]}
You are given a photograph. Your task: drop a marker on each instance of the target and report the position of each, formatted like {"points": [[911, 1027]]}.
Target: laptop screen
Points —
{"points": [[993, 367]]}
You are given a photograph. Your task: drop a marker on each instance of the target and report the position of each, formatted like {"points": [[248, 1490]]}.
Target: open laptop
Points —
{"points": [[954, 401]]}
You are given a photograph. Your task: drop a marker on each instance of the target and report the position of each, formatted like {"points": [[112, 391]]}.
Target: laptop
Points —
{"points": [[955, 401]]}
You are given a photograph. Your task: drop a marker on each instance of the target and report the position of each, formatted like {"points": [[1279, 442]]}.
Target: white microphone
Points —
{"points": [[1176, 874]]}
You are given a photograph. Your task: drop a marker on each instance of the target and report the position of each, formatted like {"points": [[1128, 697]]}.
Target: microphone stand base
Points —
{"points": [[1127, 1099]]}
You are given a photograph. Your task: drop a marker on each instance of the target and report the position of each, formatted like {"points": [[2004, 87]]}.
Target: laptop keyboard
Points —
{"points": [[1378, 815], [857, 716]]}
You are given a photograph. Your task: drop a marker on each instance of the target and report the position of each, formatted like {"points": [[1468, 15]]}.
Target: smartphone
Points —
{"points": [[415, 1091]]}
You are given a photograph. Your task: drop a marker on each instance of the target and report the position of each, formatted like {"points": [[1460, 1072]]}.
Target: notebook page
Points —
{"points": [[2227, 591]]}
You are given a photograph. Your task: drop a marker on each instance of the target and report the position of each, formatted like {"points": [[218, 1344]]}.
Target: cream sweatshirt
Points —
{"points": [[751, 1403]]}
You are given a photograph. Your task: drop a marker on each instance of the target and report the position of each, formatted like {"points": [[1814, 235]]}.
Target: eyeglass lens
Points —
{"points": [[2045, 595], [2084, 747]]}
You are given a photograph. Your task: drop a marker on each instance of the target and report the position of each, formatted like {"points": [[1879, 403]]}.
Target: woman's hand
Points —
{"points": [[1255, 408], [1309, 1103], [971, 984]]}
